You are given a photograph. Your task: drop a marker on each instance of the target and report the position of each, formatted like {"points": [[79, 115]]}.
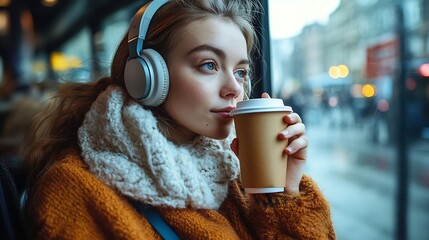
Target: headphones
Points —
{"points": [[146, 73]]}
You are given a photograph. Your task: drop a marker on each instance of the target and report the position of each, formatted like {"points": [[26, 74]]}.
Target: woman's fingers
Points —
{"points": [[295, 133], [296, 145], [265, 95], [292, 118], [292, 131]]}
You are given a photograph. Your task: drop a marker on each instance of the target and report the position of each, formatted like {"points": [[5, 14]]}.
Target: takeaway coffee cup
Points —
{"points": [[261, 153]]}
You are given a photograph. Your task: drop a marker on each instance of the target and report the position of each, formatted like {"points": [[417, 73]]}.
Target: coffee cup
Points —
{"points": [[261, 154]]}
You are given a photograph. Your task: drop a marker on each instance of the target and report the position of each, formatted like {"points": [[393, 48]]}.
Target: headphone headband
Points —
{"points": [[140, 25], [146, 75]]}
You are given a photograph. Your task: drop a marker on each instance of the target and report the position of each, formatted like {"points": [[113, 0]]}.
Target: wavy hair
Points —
{"points": [[55, 128]]}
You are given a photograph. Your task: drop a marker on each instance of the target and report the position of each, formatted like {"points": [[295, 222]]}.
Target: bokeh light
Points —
{"points": [[334, 72], [424, 70], [383, 105], [344, 70], [368, 90]]}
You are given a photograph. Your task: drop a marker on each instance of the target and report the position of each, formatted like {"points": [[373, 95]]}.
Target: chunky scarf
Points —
{"points": [[123, 146]]}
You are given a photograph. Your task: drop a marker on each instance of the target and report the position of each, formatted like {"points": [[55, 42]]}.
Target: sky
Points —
{"points": [[288, 17]]}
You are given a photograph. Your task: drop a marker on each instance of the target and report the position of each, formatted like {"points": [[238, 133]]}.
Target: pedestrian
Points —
{"points": [[155, 140]]}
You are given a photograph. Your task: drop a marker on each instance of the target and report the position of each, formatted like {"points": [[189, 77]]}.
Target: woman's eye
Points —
{"points": [[210, 66], [241, 74]]}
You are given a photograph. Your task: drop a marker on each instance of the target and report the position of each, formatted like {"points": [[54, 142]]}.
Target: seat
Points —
{"points": [[12, 225]]}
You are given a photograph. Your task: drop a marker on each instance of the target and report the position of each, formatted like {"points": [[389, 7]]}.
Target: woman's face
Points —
{"points": [[207, 66]]}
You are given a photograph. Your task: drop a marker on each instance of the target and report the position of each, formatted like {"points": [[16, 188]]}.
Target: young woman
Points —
{"points": [[102, 152]]}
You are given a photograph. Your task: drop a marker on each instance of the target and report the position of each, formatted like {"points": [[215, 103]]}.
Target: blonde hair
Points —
{"points": [[55, 128]]}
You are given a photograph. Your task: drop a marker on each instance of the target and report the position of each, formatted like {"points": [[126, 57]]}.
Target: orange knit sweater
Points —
{"points": [[69, 202]]}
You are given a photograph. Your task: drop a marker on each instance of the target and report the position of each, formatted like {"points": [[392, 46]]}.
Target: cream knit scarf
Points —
{"points": [[123, 147]]}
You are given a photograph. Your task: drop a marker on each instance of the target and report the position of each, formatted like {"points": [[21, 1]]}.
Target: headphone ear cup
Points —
{"points": [[137, 78], [160, 80], [146, 78]]}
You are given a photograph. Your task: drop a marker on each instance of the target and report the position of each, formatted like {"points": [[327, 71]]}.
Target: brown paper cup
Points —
{"points": [[261, 153]]}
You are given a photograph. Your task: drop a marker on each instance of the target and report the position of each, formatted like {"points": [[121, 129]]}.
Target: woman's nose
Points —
{"points": [[231, 87]]}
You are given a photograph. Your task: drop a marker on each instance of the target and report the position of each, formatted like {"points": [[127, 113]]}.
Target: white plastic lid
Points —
{"points": [[260, 105]]}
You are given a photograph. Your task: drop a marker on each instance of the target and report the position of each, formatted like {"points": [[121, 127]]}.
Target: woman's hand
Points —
{"points": [[296, 149]]}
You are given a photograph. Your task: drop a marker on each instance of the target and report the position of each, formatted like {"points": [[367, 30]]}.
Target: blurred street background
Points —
{"points": [[359, 77], [359, 179]]}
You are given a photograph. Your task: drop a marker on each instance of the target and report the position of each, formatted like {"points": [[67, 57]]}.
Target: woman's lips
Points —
{"points": [[224, 112]]}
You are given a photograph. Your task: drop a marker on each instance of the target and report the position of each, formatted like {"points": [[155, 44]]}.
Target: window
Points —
{"points": [[341, 69]]}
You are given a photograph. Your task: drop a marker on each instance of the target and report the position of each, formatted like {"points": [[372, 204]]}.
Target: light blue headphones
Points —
{"points": [[146, 74]]}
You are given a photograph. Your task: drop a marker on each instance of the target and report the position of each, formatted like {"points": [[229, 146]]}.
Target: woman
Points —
{"points": [[101, 151]]}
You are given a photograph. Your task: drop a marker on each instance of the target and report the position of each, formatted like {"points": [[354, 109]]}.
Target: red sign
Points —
{"points": [[381, 59]]}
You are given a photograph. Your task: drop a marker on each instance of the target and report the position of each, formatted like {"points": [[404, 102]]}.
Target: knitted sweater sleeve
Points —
{"points": [[305, 215], [70, 203]]}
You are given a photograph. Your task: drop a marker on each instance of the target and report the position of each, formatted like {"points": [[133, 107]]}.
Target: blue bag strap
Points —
{"points": [[155, 220]]}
